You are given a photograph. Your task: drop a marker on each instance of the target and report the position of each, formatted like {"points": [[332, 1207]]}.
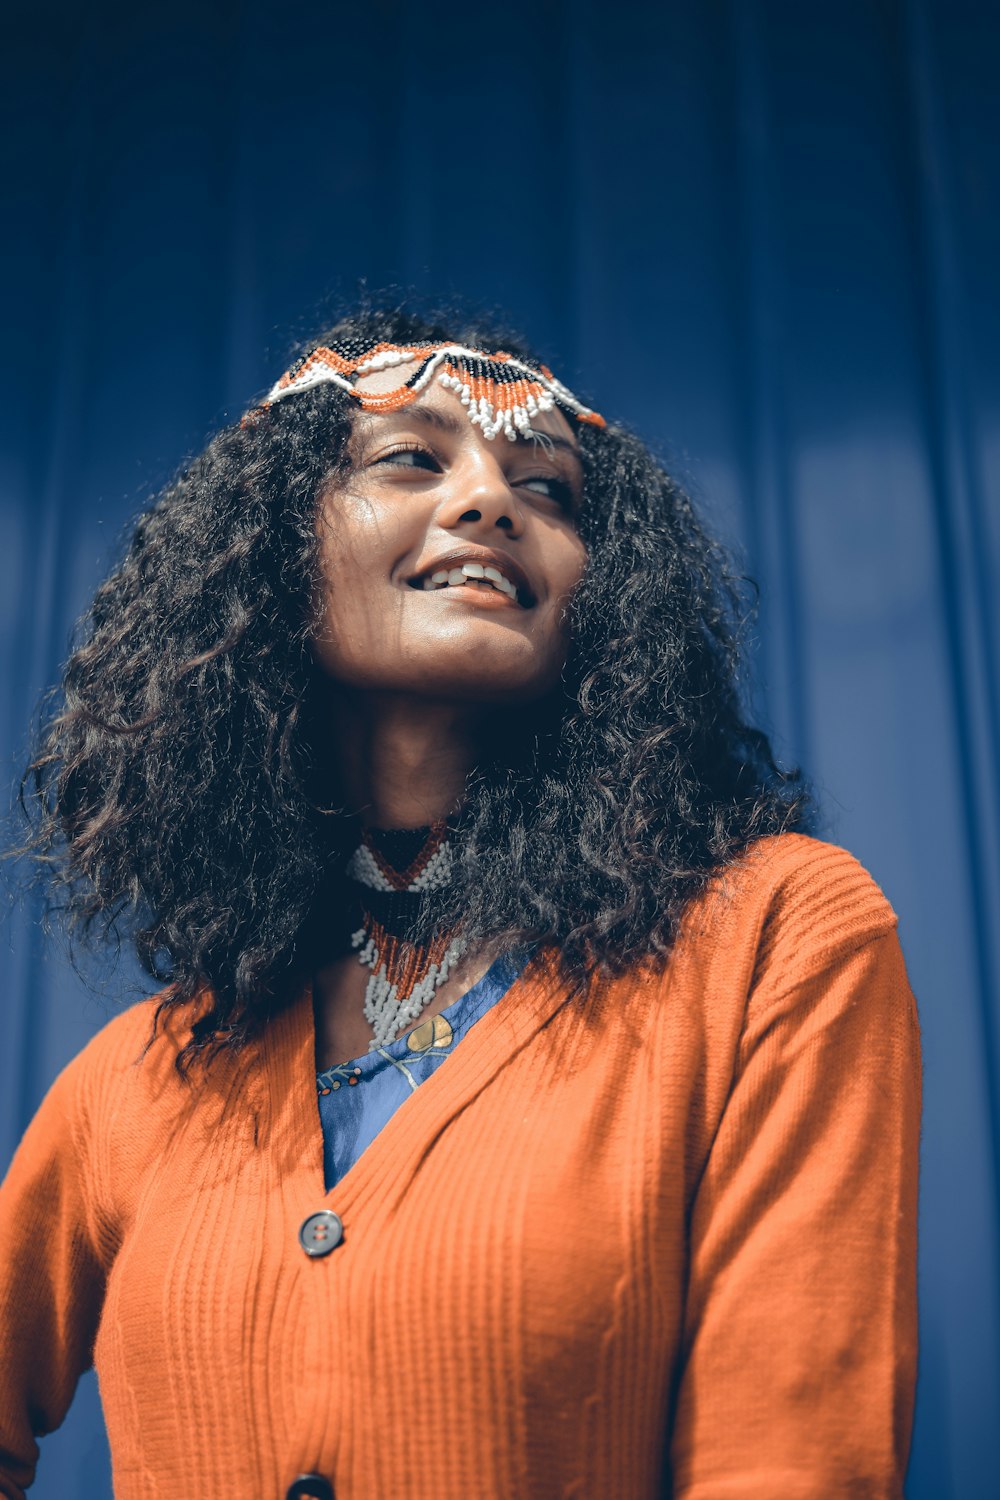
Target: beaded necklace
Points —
{"points": [[391, 872]]}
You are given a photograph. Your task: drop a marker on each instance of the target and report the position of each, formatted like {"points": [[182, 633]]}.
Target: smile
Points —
{"points": [[487, 585]]}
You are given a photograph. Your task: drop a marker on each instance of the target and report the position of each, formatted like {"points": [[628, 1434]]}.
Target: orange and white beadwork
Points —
{"points": [[500, 392], [430, 870], [403, 976]]}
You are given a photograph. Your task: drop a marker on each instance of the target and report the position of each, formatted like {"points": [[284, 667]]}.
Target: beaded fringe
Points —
{"points": [[404, 976], [406, 972], [500, 392]]}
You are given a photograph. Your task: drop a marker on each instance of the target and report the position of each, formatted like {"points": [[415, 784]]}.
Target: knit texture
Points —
{"points": [[658, 1242]]}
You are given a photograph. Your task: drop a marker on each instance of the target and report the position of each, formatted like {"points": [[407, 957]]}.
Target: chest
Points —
{"points": [[514, 1242], [571, 1155], [341, 1030]]}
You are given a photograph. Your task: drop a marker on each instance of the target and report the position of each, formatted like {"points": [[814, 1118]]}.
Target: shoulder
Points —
{"points": [[128, 1037], [121, 1098], [79, 1105], [788, 907], [820, 890], [130, 1058], [820, 909]]}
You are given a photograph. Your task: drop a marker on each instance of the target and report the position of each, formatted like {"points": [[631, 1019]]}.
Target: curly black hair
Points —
{"points": [[173, 792]]}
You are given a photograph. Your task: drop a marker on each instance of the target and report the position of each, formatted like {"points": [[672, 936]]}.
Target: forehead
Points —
{"points": [[439, 407]]}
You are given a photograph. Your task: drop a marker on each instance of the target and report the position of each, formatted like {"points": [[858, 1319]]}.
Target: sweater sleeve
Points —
{"points": [[52, 1272], [799, 1355]]}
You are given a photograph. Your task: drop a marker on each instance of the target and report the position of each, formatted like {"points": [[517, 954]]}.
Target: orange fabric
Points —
{"points": [[670, 1228]]}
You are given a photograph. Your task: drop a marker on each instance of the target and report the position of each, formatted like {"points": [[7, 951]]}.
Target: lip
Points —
{"points": [[489, 557], [480, 598]]}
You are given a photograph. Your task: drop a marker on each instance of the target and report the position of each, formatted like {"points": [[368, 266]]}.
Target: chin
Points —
{"points": [[470, 667], [499, 688]]}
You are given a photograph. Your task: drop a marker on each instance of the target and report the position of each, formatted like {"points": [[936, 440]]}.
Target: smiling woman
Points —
{"points": [[514, 1046], [462, 553]]}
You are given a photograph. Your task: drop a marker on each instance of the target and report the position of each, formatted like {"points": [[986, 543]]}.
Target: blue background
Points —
{"points": [[766, 234]]}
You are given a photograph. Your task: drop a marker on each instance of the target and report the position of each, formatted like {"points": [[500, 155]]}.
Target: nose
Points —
{"points": [[478, 494]]}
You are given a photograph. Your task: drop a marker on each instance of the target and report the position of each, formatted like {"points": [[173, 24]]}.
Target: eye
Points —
{"points": [[556, 489], [408, 456]]}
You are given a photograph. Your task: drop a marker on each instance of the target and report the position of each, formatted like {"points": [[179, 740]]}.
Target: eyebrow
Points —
{"points": [[451, 422]]}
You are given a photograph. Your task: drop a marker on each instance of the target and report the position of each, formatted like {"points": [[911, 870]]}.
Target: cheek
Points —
{"points": [[569, 565], [352, 625], [359, 544]]}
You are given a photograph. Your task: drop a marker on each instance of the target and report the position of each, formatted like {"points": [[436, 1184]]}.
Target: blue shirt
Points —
{"points": [[357, 1098]]}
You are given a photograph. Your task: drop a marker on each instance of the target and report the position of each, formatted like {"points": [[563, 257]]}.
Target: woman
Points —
{"points": [[409, 730]]}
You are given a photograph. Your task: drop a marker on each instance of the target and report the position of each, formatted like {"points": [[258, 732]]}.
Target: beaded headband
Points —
{"points": [[501, 393]]}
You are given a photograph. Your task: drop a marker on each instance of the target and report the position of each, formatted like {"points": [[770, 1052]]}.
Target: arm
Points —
{"points": [[801, 1316], [53, 1254]]}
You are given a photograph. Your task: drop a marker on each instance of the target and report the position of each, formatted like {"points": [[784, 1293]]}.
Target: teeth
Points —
{"points": [[455, 577], [499, 581]]}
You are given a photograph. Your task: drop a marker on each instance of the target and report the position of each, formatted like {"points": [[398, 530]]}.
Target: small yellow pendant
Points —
{"points": [[434, 1032]]}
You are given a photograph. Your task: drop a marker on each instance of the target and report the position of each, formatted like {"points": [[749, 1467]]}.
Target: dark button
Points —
{"points": [[310, 1486], [320, 1234]]}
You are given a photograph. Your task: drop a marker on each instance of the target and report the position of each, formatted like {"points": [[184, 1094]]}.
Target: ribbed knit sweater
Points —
{"points": [[658, 1240]]}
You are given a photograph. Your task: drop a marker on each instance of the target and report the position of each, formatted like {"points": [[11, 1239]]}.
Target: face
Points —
{"points": [[429, 500]]}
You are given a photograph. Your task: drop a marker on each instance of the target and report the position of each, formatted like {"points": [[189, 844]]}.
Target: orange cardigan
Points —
{"points": [[667, 1230]]}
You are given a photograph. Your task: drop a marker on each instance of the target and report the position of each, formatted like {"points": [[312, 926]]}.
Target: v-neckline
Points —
{"points": [[455, 1012], [294, 1126], [467, 997]]}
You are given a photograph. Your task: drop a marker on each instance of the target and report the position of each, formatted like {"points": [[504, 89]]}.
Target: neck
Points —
{"points": [[404, 763]]}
